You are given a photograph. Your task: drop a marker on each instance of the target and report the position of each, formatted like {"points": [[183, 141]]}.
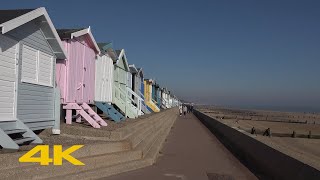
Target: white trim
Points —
{"points": [[49, 43], [19, 21], [140, 72], [123, 54], [12, 46], [38, 66], [36, 81], [29, 80], [79, 33], [51, 67], [17, 56], [133, 66], [86, 31]]}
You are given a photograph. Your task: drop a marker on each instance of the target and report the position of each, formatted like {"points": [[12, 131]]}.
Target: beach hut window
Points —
{"points": [[36, 67], [45, 69]]}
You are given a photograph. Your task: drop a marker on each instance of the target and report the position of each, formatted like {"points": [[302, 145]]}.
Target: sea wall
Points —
{"points": [[264, 161]]}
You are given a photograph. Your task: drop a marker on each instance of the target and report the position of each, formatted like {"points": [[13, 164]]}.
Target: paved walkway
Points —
{"points": [[191, 152]]}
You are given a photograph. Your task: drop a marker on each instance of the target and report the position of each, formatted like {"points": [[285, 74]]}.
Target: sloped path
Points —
{"points": [[191, 153]]}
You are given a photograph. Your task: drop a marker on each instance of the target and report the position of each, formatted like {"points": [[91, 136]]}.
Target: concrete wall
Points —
{"points": [[266, 162]]}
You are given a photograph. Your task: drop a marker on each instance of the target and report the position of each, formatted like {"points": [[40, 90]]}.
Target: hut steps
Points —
{"points": [[110, 111], [85, 111], [152, 106], [124, 107], [15, 133], [144, 108]]}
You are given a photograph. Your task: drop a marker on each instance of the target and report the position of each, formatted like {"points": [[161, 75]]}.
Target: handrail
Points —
{"points": [[128, 100], [139, 103], [120, 90], [164, 102], [124, 93], [155, 102], [134, 94], [142, 96]]}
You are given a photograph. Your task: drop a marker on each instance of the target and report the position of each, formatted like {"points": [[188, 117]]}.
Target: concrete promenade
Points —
{"points": [[191, 152]]}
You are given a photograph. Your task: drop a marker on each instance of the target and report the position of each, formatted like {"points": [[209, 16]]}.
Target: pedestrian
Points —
{"points": [[180, 109], [185, 109]]}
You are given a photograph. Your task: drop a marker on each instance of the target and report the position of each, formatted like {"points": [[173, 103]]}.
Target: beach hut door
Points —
{"points": [[8, 78]]}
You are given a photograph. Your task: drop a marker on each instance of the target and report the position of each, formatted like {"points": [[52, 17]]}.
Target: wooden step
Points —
{"points": [[15, 131], [8, 125], [23, 140]]}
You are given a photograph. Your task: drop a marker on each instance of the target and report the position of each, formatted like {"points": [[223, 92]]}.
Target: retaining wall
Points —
{"points": [[264, 161]]}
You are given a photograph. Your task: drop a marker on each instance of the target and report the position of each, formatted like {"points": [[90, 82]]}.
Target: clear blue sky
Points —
{"points": [[227, 52]]}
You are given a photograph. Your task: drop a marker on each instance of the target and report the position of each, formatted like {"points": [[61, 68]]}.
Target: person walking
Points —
{"points": [[180, 109], [185, 109]]}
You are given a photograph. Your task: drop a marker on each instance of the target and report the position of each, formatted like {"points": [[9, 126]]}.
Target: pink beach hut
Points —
{"points": [[76, 75]]}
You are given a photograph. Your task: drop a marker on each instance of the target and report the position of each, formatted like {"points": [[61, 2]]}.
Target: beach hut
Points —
{"points": [[76, 75], [164, 98], [148, 94], [104, 81], [137, 100], [137, 85], [167, 98], [122, 94], [132, 71], [170, 101], [29, 47], [155, 93], [145, 108], [163, 105], [158, 95], [131, 77], [175, 101]]}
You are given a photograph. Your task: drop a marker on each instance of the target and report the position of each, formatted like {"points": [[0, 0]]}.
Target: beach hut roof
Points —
{"points": [[107, 48], [155, 84], [66, 33], [118, 52], [149, 80], [122, 56], [133, 69], [11, 19], [140, 71], [73, 33]]}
